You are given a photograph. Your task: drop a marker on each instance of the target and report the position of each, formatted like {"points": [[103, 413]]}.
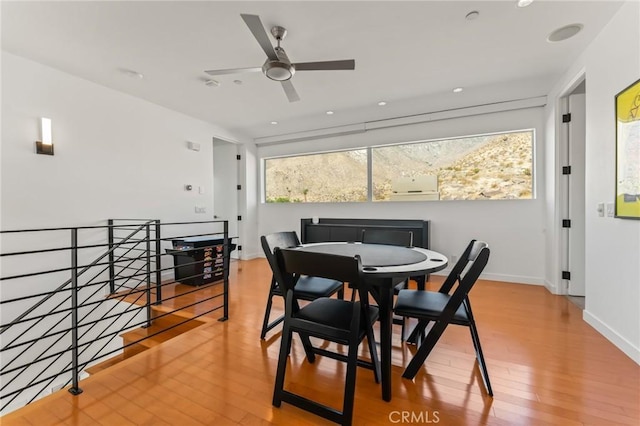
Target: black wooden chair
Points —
{"points": [[389, 237], [307, 288], [446, 307], [335, 320], [394, 238]]}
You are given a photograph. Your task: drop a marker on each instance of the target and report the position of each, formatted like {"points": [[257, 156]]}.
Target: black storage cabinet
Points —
{"points": [[341, 229], [328, 229], [199, 260]]}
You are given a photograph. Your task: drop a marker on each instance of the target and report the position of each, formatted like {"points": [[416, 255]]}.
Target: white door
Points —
{"points": [[225, 191], [576, 252]]}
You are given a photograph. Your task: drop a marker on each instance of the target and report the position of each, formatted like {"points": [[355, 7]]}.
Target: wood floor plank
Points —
{"points": [[547, 367]]}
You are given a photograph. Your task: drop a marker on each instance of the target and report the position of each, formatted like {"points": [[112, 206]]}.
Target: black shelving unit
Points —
{"points": [[199, 260]]}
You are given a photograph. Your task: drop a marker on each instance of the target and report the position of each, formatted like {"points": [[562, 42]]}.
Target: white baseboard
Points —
{"points": [[553, 289], [620, 342], [515, 279], [249, 256]]}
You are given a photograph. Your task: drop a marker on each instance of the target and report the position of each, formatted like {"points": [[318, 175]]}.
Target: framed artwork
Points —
{"points": [[628, 152]]}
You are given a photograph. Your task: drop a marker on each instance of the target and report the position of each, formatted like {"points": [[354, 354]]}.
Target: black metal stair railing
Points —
{"points": [[49, 337]]}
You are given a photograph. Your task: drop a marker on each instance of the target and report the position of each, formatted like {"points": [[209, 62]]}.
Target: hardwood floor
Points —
{"points": [[547, 366]]}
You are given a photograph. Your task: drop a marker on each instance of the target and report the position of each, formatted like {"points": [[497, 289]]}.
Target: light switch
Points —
{"points": [[201, 190], [600, 209], [610, 209]]}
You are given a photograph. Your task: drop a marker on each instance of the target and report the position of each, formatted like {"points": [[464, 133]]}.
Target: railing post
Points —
{"points": [[225, 272], [75, 389], [112, 270], [158, 265], [148, 275]]}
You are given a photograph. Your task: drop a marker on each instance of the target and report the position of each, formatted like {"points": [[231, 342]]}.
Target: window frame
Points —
{"points": [[369, 151]]}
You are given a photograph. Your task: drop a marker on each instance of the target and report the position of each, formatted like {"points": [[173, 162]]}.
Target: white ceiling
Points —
{"points": [[410, 54]]}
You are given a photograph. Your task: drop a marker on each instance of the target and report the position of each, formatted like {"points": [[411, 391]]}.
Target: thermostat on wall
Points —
{"points": [[193, 146]]}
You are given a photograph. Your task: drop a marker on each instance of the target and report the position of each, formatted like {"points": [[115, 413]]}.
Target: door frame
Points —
{"points": [[560, 241], [217, 141]]}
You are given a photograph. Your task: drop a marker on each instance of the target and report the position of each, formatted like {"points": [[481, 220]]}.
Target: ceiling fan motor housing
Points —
{"points": [[281, 69]]}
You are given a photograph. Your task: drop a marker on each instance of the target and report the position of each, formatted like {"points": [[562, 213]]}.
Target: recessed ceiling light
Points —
{"points": [[564, 33], [472, 15], [523, 3], [274, 122], [238, 82], [132, 74], [458, 90], [329, 112], [382, 103]]}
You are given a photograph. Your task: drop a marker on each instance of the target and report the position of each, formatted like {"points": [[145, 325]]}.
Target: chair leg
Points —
{"points": [[353, 294], [373, 353], [350, 385], [417, 334], [267, 312], [475, 338], [352, 368], [483, 366], [308, 347], [285, 344], [424, 350]]}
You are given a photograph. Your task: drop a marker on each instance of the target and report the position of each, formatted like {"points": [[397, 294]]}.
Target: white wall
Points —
{"points": [[115, 155], [612, 247], [513, 228]]}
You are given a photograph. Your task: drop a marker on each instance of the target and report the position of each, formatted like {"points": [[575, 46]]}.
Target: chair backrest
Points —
{"points": [[468, 256], [293, 263], [477, 258], [282, 240], [391, 237]]}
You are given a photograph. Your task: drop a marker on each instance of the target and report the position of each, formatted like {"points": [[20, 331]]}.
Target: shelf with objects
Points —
{"points": [[199, 260]]}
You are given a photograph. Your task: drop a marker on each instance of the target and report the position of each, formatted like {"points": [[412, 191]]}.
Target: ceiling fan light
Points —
{"points": [[278, 71]]}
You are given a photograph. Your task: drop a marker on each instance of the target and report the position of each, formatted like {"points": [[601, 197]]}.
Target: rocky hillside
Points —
{"points": [[340, 176], [490, 167]]}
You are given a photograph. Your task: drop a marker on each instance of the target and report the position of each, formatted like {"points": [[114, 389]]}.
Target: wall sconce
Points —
{"points": [[46, 145]]}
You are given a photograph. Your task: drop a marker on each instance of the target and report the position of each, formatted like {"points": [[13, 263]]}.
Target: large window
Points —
{"points": [[497, 166], [329, 177], [493, 166]]}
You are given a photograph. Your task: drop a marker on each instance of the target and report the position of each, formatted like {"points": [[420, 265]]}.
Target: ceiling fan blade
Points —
{"points": [[348, 64], [233, 71], [290, 91], [257, 29]]}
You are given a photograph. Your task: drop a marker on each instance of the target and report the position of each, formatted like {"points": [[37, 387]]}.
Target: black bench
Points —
{"points": [[327, 230]]}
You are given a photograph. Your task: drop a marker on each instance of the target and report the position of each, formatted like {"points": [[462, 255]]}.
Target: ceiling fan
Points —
{"points": [[278, 67]]}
